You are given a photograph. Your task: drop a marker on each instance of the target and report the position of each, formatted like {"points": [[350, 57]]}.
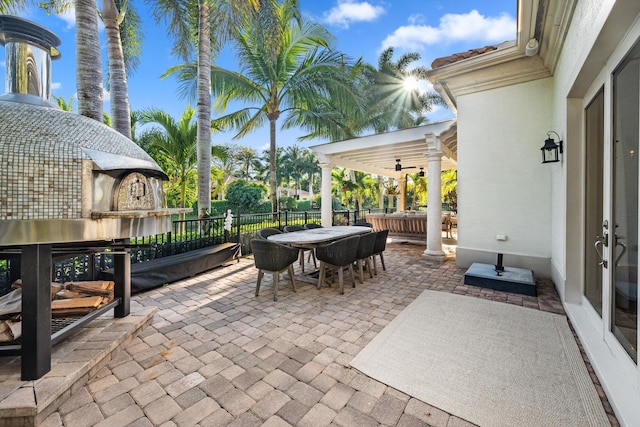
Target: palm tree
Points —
{"points": [[13, 6], [88, 59], [363, 186], [119, 20], [310, 166], [294, 155], [283, 73], [63, 104], [393, 98], [419, 188], [212, 26], [123, 49], [246, 158], [341, 184], [174, 146], [450, 188]]}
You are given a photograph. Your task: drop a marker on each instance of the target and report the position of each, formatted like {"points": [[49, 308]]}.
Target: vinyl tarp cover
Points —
{"points": [[151, 274]]}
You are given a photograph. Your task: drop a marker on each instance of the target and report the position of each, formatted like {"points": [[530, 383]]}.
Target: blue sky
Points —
{"points": [[433, 28]]}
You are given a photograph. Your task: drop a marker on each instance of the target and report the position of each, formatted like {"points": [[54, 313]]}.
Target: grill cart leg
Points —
{"points": [[36, 311], [122, 279]]}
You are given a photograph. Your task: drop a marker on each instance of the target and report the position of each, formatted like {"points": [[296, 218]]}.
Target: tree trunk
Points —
{"points": [[120, 111], [272, 165], [204, 111], [88, 60]]}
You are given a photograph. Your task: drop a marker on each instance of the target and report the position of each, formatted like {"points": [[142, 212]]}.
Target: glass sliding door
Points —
{"points": [[594, 163], [624, 230]]}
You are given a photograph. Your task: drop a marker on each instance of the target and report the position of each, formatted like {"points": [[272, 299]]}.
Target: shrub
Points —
{"points": [[288, 203], [219, 207], [247, 196], [303, 205]]}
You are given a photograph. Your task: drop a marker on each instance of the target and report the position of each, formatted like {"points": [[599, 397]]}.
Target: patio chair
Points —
{"points": [[303, 249], [266, 232], [339, 255], [365, 252], [310, 226], [274, 258], [378, 249]]}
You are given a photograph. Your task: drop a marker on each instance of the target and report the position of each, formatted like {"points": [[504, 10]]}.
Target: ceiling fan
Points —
{"points": [[399, 166]]}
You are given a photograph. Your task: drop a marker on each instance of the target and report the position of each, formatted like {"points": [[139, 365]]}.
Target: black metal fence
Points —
{"points": [[188, 235]]}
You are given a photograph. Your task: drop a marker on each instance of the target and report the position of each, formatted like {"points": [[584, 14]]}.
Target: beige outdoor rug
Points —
{"points": [[492, 364]]}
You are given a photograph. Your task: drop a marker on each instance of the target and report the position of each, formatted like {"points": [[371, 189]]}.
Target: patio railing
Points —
{"points": [[187, 235]]}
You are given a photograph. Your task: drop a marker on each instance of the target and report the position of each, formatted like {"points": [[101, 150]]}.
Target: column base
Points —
{"points": [[434, 256]]}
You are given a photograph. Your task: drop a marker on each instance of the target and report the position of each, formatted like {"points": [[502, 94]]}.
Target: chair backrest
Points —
{"points": [[381, 241], [272, 256], [266, 232], [310, 226], [366, 245], [340, 252], [292, 228]]}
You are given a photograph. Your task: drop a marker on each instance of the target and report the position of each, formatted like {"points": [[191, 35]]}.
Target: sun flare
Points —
{"points": [[410, 83]]}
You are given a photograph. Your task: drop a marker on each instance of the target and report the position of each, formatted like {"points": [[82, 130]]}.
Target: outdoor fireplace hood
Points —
{"points": [[65, 177]]}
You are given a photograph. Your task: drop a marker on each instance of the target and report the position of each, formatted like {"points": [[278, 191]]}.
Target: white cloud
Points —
{"points": [[68, 16], [56, 85], [3, 64], [416, 18], [106, 96], [470, 26], [349, 11]]}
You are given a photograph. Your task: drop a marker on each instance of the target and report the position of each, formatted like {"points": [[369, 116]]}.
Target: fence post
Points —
{"points": [[306, 220], [238, 227], [170, 242]]}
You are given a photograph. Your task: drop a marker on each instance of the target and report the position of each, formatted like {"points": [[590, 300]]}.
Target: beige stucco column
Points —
{"points": [[325, 194], [434, 205], [402, 193]]}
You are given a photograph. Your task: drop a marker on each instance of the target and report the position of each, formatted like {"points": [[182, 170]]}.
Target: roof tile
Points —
{"points": [[439, 62]]}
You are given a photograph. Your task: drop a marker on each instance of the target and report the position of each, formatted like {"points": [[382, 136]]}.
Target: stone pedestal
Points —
{"points": [[517, 280]]}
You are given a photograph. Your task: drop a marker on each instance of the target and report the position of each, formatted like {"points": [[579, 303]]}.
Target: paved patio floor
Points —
{"points": [[216, 355]]}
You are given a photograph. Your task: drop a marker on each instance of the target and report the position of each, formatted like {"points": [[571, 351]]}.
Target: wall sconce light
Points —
{"points": [[550, 149], [421, 173]]}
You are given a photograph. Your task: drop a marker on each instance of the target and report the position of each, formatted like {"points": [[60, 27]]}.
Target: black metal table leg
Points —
{"points": [[122, 279], [36, 311]]}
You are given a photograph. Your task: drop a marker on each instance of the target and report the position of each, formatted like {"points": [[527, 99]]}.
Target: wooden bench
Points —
{"points": [[406, 224], [150, 274]]}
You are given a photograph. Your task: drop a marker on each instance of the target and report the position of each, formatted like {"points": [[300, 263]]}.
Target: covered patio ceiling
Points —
{"points": [[377, 154]]}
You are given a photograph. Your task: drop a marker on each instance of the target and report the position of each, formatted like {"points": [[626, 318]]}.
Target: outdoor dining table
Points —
{"points": [[314, 237], [317, 236]]}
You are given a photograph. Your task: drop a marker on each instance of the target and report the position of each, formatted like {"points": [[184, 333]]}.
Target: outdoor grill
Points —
{"points": [[68, 185]]}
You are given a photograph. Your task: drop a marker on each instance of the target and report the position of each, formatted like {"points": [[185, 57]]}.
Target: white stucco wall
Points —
{"points": [[502, 186], [588, 20], [596, 29]]}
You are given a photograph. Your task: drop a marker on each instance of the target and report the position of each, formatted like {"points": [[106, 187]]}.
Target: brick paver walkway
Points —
{"points": [[216, 355]]}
